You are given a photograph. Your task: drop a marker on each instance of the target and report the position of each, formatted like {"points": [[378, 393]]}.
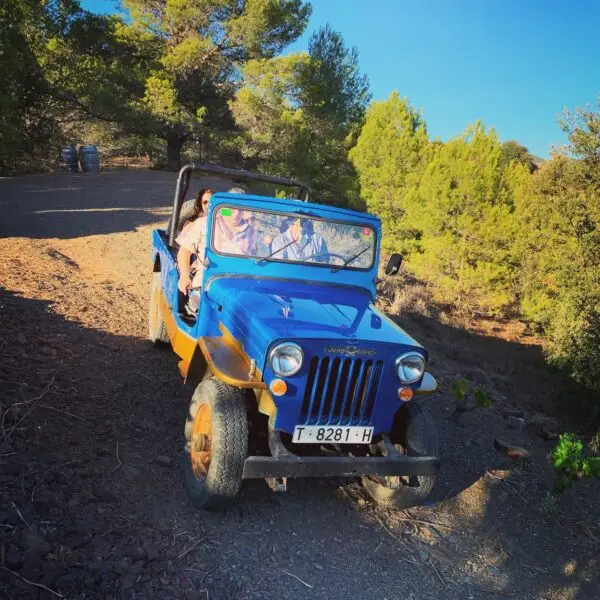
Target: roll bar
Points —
{"points": [[183, 183]]}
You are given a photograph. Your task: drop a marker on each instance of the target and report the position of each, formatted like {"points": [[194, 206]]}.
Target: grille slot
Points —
{"points": [[340, 391]]}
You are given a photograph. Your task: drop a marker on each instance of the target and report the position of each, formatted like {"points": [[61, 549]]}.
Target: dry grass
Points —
{"points": [[404, 295], [125, 162]]}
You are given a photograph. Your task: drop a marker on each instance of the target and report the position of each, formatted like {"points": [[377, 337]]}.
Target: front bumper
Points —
{"points": [[283, 463], [257, 467]]}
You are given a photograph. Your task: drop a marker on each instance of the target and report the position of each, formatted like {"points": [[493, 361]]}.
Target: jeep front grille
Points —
{"points": [[340, 391]]}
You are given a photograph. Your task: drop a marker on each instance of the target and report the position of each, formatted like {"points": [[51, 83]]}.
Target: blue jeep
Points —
{"points": [[297, 373]]}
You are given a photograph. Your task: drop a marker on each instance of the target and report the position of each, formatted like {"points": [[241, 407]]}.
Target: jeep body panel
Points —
{"points": [[338, 327], [254, 305]]}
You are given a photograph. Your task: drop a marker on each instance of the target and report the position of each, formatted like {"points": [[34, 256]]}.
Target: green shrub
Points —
{"points": [[461, 389], [570, 462]]}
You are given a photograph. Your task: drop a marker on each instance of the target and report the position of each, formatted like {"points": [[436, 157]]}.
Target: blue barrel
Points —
{"points": [[67, 159], [89, 159]]}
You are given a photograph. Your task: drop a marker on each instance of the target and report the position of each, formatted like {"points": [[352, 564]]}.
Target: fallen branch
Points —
{"points": [[188, 550], [411, 560], [27, 403], [59, 410], [294, 576], [207, 573], [432, 565], [505, 480], [21, 516], [118, 459], [37, 485], [430, 523], [38, 585]]}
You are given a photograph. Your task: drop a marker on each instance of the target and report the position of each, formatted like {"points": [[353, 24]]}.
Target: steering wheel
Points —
{"points": [[325, 254]]}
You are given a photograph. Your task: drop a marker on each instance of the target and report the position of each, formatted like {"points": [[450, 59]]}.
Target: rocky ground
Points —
{"points": [[91, 430]]}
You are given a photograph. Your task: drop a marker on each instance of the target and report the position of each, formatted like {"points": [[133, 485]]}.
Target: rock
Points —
{"points": [[33, 543], [135, 552], [14, 558], [32, 564], [21, 338], [513, 412], [41, 359], [151, 550], [510, 450], [137, 567], [119, 569], [6, 448], [46, 499], [548, 434], [428, 534], [48, 351], [318, 567], [159, 567], [542, 426], [68, 581], [100, 567], [163, 460], [103, 494], [77, 539], [517, 423]]}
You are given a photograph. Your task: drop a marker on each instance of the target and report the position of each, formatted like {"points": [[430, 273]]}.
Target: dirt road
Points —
{"points": [[91, 438]]}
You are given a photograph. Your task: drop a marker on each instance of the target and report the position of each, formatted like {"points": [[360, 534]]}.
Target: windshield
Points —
{"points": [[271, 236]]}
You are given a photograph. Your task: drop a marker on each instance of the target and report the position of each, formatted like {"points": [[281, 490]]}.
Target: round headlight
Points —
{"points": [[286, 359], [411, 367]]}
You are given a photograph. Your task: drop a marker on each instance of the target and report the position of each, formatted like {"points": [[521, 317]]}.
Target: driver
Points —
{"points": [[298, 241], [233, 233]]}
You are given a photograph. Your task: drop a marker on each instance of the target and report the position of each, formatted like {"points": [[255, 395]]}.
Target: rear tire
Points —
{"points": [[414, 434], [157, 331], [213, 470]]}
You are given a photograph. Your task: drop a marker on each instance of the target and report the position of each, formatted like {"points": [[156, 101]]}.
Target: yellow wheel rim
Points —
{"points": [[201, 442]]}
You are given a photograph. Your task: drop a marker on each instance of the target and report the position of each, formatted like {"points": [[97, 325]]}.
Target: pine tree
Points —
{"points": [[389, 157]]}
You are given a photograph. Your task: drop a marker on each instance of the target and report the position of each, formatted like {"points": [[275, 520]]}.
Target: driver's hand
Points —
{"points": [[185, 283]]}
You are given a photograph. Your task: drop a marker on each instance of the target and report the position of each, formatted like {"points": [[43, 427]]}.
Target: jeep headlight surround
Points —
{"points": [[410, 367], [285, 359]]}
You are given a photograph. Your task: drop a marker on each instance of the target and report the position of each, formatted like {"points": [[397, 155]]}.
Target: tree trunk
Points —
{"points": [[174, 144]]}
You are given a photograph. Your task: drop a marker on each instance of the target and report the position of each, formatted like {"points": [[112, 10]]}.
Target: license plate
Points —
{"points": [[315, 434]]}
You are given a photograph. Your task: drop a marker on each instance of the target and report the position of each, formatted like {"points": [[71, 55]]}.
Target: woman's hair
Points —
{"points": [[198, 210]]}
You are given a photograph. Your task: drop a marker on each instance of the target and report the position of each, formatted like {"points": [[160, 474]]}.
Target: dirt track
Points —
{"points": [[91, 501]]}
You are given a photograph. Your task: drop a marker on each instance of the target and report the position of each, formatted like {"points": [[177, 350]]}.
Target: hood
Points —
{"points": [[260, 311]]}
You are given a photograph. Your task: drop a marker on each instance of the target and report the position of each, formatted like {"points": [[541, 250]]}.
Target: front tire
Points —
{"points": [[414, 434], [216, 434], [157, 331]]}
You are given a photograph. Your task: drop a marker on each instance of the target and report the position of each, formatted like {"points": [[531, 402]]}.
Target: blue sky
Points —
{"points": [[514, 65]]}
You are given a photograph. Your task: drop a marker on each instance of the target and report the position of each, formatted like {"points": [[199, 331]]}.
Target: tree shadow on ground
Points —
{"points": [[518, 537], [92, 503], [70, 205]]}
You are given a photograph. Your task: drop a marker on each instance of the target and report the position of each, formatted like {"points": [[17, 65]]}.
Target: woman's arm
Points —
{"points": [[184, 257]]}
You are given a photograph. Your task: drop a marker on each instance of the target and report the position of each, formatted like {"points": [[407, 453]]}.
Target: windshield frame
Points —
{"points": [[297, 215]]}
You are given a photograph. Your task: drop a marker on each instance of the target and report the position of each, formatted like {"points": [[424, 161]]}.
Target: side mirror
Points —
{"points": [[393, 265]]}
